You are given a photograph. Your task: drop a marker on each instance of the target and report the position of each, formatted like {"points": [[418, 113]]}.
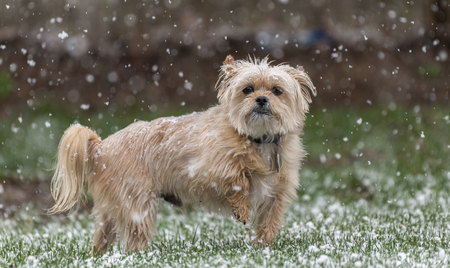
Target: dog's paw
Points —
{"points": [[263, 240], [242, 215], [259, 242]]}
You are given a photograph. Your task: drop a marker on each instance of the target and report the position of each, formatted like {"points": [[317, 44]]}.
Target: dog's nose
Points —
{"points": [[261, 100]]}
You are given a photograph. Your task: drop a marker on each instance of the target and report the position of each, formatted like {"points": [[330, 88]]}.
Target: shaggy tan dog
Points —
{"points": [[240, 156]]}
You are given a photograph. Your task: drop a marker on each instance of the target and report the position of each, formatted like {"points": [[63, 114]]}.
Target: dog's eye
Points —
{"points": [[248, 90], [276, 91]]}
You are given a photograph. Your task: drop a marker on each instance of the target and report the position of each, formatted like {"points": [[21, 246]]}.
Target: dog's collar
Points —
{"points": [[271, 139], [267, 139]]}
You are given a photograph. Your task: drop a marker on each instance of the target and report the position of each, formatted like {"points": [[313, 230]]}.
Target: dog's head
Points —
{"points": [[263, 100]]}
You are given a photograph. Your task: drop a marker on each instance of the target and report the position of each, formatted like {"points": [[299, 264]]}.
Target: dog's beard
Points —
{"points": [[261, 114], [263, 121], [264, 110]]}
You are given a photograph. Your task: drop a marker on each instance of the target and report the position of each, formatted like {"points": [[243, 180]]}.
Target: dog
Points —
{"points": [[239, 156]]}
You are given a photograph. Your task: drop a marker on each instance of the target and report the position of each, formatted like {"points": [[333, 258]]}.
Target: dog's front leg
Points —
{"points": [[270, 218], [237, 193]]}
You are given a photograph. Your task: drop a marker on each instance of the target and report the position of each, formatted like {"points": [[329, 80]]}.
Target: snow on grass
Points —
{"points": [[390, 230], [392, 213]]}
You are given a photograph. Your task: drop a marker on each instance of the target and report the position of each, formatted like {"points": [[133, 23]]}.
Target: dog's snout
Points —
{"points": [[261, 100]]}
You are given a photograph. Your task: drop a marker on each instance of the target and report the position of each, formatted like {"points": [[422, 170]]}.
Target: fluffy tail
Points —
{"points": [[75, 163]]}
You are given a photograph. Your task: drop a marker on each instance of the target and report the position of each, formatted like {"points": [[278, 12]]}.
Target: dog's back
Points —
{"points": [[240, 155]]}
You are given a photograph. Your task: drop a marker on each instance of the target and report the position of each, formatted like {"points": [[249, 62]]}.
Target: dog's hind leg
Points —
{"points": [[104, 235], [141, 225]]}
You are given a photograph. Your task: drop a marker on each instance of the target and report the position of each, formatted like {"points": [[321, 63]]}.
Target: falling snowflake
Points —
{"points": [[63, 35]]}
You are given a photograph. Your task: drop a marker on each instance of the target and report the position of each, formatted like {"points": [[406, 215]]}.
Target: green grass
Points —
{"points": [[375, 191], [28, 142], [5, 84]]}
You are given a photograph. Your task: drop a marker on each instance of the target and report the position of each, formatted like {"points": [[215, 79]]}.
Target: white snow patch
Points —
{"points": [[392, 14], [138, 217], [188, 85], [13, 67], [113, 77], [311, 226], [424, 49], [442, 55], [193, 169], [313, 249], [84, 106], [63, 35], [322, 259], [323, 158], [442, 254], [31, 62], [90, 78], [237, 188]]}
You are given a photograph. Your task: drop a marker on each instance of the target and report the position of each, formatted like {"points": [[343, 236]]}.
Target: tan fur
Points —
{"points": [[209, 158], [237, 192], [74, 165]]}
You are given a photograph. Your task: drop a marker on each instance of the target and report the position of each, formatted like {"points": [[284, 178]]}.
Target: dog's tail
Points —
{"points": [[75, 163]]}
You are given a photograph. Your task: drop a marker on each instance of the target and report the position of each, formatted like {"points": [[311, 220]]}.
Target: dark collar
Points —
{"points": [[267, 139]]}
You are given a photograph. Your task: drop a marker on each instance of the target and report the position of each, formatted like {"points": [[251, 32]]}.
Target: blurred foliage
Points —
{"points": [[28, 142], [111, 54], [411, 140], [405, 140], [5, 84], [361, 153], [430, 70]]}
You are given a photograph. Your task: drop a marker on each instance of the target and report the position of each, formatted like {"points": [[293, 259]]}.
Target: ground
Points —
{"points": [[374, 192]]}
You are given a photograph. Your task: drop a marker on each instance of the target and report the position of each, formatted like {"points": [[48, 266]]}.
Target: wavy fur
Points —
{"points": [[211, 159], [74, 165]]}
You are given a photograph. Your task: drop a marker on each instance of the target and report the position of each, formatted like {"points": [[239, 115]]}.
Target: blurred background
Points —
{"points": [[107, 63], [116, 54]]}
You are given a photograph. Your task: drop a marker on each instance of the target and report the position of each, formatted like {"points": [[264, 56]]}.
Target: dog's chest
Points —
{"points": [[262, 188], [263, 185], [269, 155]]}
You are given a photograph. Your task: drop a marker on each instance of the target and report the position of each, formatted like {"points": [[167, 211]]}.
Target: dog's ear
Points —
{"points": [[229, 60], [305, 87], [227, 71], [305, 82], [229, 65]]}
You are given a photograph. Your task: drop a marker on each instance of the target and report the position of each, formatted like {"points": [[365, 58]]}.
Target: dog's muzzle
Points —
{"points": [[262, 106]]}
